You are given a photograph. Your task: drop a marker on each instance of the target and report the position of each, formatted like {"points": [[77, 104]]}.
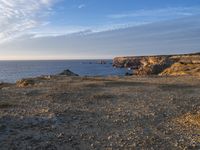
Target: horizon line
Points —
{"points": [[55, 59]]}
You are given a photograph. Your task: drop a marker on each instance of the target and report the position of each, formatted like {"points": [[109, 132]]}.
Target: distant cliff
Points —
{"points": [[185, 64]]}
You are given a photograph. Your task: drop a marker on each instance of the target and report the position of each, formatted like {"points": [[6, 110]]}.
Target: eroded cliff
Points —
{"points": [[187, 64]]}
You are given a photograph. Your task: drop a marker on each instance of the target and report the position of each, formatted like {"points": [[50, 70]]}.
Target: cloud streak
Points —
{"points": [[18, 16], [167, 37], [167, 13]]}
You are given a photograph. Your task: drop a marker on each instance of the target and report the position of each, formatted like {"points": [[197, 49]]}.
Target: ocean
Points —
{"points": [[11, 71]]}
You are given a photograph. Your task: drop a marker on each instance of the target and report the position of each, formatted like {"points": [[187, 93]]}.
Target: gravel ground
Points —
{"points": [[63, 113]]}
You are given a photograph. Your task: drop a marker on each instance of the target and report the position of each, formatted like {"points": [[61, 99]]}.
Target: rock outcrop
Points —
{"points": [[182, 69], [37, 81], [187, 64], [4, 85], [68, 73], [25, 82]]}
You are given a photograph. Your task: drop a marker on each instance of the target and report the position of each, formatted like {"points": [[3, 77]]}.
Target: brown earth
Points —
{"points": [[60, 112]]}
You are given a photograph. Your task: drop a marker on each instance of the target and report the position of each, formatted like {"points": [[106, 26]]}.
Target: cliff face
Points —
{"points": [[161, 65]]}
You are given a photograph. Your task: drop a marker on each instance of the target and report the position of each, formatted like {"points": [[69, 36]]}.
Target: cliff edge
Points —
{"points": [[183, 64]]}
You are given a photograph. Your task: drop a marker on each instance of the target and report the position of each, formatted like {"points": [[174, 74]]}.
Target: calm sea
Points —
{"points": [[10, 71]]}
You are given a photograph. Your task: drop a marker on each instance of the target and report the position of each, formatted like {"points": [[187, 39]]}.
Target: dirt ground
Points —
{"points": [[84, 113]]}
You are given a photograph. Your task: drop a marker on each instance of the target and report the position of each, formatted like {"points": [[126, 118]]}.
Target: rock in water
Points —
{"points": [[68, 73], [128, 74], [101, 62]]}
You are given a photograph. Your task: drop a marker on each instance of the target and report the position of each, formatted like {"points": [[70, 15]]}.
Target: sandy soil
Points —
{"points": [[101, 113]]}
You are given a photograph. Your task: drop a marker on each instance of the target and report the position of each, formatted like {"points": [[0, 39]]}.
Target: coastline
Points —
{"points": [[16, 70], [169, 65]]}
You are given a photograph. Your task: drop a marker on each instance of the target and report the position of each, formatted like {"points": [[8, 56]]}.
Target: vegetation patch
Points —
{"points": [[102, 96], [6, 104], [176, 86], [94, 85], [25, 82], [124, 83], [190, 119], [3, 85]]}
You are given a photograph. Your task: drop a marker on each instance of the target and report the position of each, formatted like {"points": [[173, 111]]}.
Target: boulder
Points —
{"points": [[128, 74]]}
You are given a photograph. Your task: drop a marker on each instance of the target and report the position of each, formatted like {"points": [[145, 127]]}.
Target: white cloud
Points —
{"points": [[175, 36], [81, 6], [81, 30], [17, 16], [159, 13], [47, 2]]}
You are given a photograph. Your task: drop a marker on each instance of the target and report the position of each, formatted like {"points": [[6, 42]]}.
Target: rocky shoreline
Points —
{"points": [[175, 65], [71, 112]]}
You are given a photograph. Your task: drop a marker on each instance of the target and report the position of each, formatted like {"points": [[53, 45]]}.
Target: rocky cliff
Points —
{"points": [[186, 64]]}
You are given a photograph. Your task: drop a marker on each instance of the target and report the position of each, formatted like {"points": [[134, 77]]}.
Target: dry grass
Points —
{"points": [[25, 82], [190, 119], [190, 125], [4, 104], [179, 69], [102, 96], [3, 85], [184, 88]]}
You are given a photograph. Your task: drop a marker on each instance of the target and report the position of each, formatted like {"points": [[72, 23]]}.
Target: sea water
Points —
{"points": [[10, 71]]}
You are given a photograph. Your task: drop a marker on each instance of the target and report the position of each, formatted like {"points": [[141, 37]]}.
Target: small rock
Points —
{"points": [[109, 137], [68, 73], [60, 135]]}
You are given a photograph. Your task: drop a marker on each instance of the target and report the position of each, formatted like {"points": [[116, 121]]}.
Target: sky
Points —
{"points": [[97, 29]]}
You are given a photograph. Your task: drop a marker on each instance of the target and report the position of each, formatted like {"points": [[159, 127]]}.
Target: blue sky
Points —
{"points": [[81, 29], [75, 15]]}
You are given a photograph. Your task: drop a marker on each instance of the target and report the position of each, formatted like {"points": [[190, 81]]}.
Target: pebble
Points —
{"points": [[109, 137]]}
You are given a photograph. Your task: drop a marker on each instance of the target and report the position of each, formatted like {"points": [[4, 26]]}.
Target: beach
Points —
{"points": [[66, 112]]}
